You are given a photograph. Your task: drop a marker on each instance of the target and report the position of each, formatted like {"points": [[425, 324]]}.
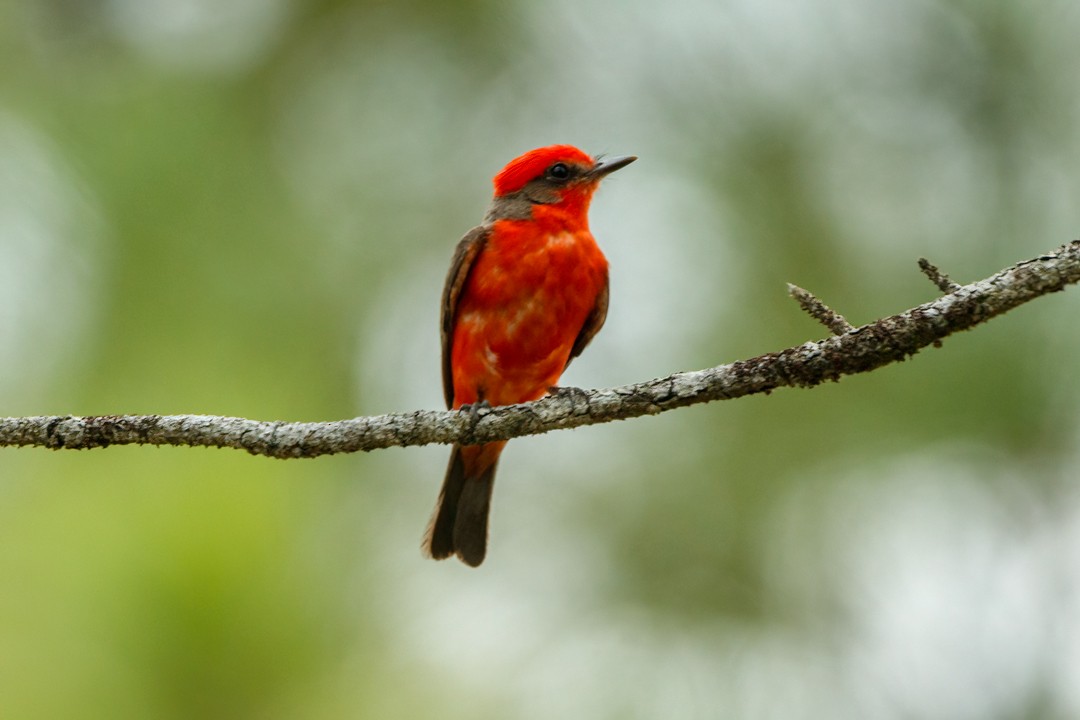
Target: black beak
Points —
{"points": [[610, 165]]}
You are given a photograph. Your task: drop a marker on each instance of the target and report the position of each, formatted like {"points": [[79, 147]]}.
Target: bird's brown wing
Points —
{"points": [[593, 323], [464, 256]]}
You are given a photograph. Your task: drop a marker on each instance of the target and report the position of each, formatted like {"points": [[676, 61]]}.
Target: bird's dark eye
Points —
{"points": [[558, 171]]}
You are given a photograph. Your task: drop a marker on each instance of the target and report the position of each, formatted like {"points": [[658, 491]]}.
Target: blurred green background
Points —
{"points": [[247, 207]]}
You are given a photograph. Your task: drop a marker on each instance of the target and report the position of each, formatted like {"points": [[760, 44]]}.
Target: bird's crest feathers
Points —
{"points": [[521, 170]]}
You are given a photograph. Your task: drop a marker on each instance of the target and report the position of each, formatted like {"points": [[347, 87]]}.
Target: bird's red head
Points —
{"points": [[550, 174], [533, 164]]}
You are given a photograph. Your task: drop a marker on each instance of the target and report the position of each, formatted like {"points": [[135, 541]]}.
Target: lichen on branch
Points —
{"points": [[850, 351]]}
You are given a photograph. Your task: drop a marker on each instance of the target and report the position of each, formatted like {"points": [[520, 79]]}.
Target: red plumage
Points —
{"points": [[532, 164], [525, 293]]}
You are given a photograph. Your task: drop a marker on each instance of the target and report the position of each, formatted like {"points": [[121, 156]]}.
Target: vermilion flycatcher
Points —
{"points": [[526, 292]]}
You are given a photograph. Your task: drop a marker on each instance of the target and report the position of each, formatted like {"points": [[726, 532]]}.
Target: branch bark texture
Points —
{"points": [[857, 350]]}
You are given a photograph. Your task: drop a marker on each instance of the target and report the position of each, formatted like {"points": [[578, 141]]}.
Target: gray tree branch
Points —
{"points": [[850, 351]]}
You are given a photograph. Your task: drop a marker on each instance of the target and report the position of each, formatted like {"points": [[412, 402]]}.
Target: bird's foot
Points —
{"points": [[473, 411]]}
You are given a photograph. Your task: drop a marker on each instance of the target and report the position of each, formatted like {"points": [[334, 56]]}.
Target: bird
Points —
{"points": [[527, 290]]}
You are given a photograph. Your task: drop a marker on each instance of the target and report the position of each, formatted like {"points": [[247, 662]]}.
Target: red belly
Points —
{"points": [[522, 309]]}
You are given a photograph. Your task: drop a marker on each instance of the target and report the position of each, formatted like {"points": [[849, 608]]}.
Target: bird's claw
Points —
{"points": [[473, 411]]}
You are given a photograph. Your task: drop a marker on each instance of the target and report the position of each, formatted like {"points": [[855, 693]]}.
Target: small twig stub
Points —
{"points": [[940, 279], [820, 311]]}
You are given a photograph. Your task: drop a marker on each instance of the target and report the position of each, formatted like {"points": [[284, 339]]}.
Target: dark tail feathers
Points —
{"points": [[459, 525]]}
